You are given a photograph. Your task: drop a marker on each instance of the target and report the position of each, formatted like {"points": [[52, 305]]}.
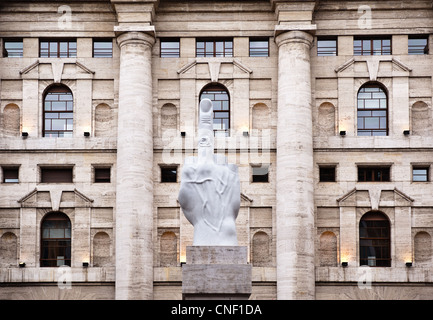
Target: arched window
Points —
{"points": [[219, 96], [58, 112], [372, 110], [55, 240], [374, 240]]}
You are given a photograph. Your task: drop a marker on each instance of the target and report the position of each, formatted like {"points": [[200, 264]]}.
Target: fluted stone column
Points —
{"points": [[294, 185], [134, 189]]}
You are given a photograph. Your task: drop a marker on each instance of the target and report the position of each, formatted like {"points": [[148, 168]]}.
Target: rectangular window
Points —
{"points": [[56, 175], [259, 47], [214, 48], [327, 46], [13, 48], [327, 174], [58, 48], [102, 175], [420, 173], [260, 173], [418, 44], [169, 174], [374, 174], [363, 46], [10, 174], [102, 48], [170, 48]]}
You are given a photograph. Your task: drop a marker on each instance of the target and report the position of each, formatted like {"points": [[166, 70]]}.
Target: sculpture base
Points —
{"points": [[216, 272]]}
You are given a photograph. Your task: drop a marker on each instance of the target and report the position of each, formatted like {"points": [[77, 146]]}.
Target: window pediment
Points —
{"points": [[375, 197]]}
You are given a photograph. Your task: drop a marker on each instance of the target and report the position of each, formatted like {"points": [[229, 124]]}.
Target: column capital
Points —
{"points": [[293, 35], [144, 35]]}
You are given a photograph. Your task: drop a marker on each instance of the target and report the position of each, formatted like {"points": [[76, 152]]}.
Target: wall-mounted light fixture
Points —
{"points": [[342, 132], [182, 263], [22, 264], [345, 263], [245, 133], [24, 134], [87, 134], [183, 134], [409, 264], [85, 264], [406, 132]]}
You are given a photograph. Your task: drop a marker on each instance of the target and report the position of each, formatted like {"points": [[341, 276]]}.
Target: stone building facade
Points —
{"points": [[325, 106]]}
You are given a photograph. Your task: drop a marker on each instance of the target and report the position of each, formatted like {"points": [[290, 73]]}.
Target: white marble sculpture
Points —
{"points": [[210, 190]]}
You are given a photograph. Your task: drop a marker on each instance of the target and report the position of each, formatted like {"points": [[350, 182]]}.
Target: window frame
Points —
{"points": [[264, 178], [7, 168], [325, 167], [371, 52], [59, 90], [56, 216], [216, 88], [102, 40], [12, 40], [421, 167], [264, 53], [42, 168], [58, 41], [174, 54], [102, 180], [327, 38], [374, 170], [418, 51], [372, 131], [225, 53], [375, 216], [170, 168]]}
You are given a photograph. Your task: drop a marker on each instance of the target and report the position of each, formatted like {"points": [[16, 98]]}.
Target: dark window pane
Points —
{"points": [[170, 48], [373, 174], [327, 174], [102, 175], [10, 175], [55, 175], [168, 174], [260, 174], [214, 48]]}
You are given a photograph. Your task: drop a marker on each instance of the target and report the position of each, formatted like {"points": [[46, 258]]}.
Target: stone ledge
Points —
{"points": [[33, 274]]}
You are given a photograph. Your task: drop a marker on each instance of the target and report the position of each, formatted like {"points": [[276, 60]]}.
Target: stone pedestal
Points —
{"points": [[216, 272]]}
